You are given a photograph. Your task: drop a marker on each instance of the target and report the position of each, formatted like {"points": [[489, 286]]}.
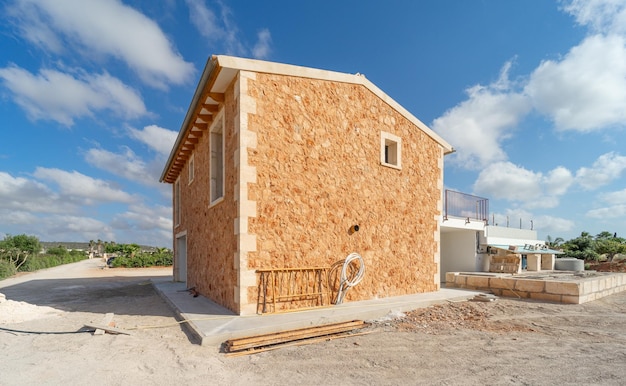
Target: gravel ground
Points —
{"points": [[506, 341]]}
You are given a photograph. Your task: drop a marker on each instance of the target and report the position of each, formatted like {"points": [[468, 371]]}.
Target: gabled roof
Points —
{"points": [[220, 71]]}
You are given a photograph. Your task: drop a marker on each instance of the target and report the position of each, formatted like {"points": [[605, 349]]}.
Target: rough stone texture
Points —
{"points": [[211, 242], [318, 173], [302, 165]]}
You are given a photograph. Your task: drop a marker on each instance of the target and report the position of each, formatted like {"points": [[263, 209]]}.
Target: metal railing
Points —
{"points": [[457, 204]]}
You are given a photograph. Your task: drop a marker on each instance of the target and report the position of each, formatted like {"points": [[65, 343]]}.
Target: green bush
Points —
{"points": [[38, 262], [7, 269], [144, 259]]}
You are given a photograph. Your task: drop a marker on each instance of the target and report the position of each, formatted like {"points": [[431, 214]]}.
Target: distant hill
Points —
{"points": [[81, 245]]}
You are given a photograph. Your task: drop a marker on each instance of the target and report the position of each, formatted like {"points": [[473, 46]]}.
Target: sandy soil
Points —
{"points": [[502, 342]]}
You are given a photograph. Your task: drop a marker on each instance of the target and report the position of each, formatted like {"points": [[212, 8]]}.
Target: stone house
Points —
{"points": [[279, 172]]}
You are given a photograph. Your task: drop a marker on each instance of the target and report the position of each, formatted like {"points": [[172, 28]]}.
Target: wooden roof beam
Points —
{"points": [[208, 118], [218, 97], [211, 108], [200, 126]]}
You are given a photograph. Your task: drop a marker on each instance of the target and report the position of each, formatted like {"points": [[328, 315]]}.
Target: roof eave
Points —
{"points": [[209, 69]]}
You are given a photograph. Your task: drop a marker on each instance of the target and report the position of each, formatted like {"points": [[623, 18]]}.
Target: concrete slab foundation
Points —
{"points": [[211, 324]]}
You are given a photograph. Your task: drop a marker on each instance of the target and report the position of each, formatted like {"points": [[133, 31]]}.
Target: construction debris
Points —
{"points": [[485, 298], [272, 341], [107, 329], [107, 325], [106, 321], [191, 291]]}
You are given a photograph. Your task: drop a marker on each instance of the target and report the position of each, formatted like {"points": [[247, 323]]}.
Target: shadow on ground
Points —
{"points": [[117, 294]]}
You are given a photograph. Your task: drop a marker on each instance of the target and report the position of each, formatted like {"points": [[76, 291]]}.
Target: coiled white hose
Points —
{"points": [[346, 283]]}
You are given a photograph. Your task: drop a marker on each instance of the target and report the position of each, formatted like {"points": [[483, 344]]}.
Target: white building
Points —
{"points": [[470, 244]]}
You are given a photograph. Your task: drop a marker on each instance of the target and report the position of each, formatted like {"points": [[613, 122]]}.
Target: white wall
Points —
{"points": [[458, 251], [509, 236]]}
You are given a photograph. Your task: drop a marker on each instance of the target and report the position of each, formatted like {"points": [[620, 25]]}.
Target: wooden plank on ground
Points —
{"points": [[292, 335], [296, 343]]}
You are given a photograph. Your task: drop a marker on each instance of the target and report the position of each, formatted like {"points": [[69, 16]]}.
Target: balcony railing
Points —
{"points": [[457, 204]]}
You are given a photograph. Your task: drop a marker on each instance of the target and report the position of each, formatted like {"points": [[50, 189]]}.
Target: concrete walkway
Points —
{"points": [[212, 324]]}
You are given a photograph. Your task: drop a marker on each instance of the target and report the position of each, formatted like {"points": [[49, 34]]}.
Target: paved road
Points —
{"points": [[86, 286]]}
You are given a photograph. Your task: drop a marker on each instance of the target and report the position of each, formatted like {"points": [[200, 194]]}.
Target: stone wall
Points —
{"points": [[318, 172], [211, 242], [569, 289]]}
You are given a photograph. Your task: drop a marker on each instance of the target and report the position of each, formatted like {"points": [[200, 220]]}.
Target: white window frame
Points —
{"points": [[191, 170], [217, 170], [390, 150]]}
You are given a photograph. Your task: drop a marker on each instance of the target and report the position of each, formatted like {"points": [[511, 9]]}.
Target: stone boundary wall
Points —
{"points": [[562, 291]]}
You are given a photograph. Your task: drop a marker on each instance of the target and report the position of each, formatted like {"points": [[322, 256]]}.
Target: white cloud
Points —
{"points": [[616, 205], [551, 224], [205, 20], [602, 16], [587, 89], [157, 138], [144, 224], [127, 165], [87, 190], [63, 97], [477, 126], [103, 27], [618, 197], [605, 169], [21, 195], [221, 29], [504, 180], [143, 217], [74, 228], [261, 49], [615, 211]]}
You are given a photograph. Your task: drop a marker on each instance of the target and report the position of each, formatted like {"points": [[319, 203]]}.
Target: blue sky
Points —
{"points": [[532, 95]]}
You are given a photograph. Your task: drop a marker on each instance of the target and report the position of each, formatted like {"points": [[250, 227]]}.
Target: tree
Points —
{"points": [[604, 235], [16, 249], [582, 247], [22, 242], [609, 247], [557, 242]]}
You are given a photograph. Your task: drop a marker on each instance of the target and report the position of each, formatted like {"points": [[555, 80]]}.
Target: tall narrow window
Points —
{"points": [[191, 169], [217, 159], [177, 202]]}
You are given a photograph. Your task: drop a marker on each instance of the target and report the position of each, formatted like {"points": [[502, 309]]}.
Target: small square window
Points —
{"points": [[390, 150]]}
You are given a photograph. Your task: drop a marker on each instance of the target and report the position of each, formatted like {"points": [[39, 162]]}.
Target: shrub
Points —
{"points": [[38, 262], [7, 269], [143, 259]]}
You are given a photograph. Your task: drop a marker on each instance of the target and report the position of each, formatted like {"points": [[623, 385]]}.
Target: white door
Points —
{"points": [[181, 258]]}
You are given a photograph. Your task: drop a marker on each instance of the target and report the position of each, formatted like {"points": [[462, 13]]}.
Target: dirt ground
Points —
{"points": [[506, 341]]}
